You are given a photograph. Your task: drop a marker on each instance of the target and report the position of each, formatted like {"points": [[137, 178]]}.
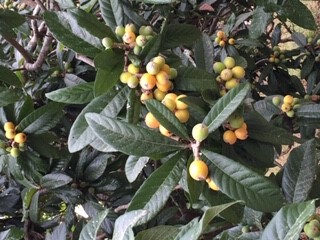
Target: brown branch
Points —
{"points": [[85, 59], [40, 4], [42, 55], [17, 46]]}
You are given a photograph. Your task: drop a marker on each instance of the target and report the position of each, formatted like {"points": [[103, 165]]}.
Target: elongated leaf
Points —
{"points": [[90, 230], [79, 94], [241, 183], [289, 221], [108, 104], [28, 194], [43, 145], [41, 119], [167, 118], [8, 96], [130, 139], [123, 225], [96, 168], [65, 29], [107, 13], [194, 229], [9, 77], [226, 106], [155, 191], [158, 233], [12, 18], [203, 53], [194, 79], [260, 20], [309, 111], [133, 107], [299, 172], [34, 207], [134, 166], [54, 180]]}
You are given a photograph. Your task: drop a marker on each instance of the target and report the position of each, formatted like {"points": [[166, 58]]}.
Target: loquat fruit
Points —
{"points": [[212, 184], [164, 131], [20, 138], [241, 133], [10, 133], [200, 132], [229, 137], [179, 104], [151, 121], [238, 72], [8, 125], [183, 115], [229, 62], [147, 81], [198, 170]]}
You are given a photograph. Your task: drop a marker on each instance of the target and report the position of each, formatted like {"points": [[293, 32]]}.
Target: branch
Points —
{"points": [[42, 55], [85, 59], [17, 46], [40, 4]]}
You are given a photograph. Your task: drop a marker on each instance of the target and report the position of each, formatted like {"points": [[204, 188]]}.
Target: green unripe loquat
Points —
{"points": [[236, 120], [290, 114], [200, 132], [229, 62], [107, 42], [141, 40], [218, 67], [276, 100], [15, 152], [173, 73], [120, 31]]}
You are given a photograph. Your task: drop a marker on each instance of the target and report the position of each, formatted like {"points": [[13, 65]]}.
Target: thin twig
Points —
{"points": [[85, 59], [17, 46], [40, 4], [122, 207]]}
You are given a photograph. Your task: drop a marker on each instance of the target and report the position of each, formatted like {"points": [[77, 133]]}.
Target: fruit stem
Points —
{"points": [[196, 149]]}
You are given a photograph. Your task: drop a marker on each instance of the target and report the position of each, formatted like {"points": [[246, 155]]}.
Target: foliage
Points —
{"points": [[98, 103]]}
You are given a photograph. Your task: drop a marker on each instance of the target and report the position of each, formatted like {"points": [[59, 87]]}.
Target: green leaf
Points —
{"points": [[97, 167], [309, 111], [241, 183], [34, 207], [307, 66], [133, 107], [41, 119], [131, 139], [158, 1], [6, 30], [174, 35], [194, 79], [266, 109], [158, 233], [26, 201], [107, 13], [25, 108], [156, 189], [260, 20], [66, 30], [225, 106], [108, 104], [134, 166], [299, 172], [43, 144], [9, 77], [90, 230], [203, 53], [79, 94], [166, 118], [12, 18], [54, 180], [261, 130], [289, 221], [299, 14], [124, 224], [14, 234], [299, 38], [195, 228], [8, 96]]}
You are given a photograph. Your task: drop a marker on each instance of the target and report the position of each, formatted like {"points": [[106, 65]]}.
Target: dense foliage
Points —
{"points": [[159, 119]]}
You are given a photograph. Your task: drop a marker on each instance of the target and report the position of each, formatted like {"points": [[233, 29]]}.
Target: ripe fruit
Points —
{"points": [[198, 170], [288, 99], [141, 40], [164, 87], [169, 103], [124, 77], [153, 68], [238, 72], [146, 96], [285, 107], [120, 31], [107, 42], [222, 43], [162, 77], [133, 81], [8, 125], [165, 68], [20, 138], [212, 184], [226, 74], [10, 133], [129, 37], [232, 83], [159, 60], [236, 121], [133, 69], [147, 81], [200, 132], [229, 137], [229, 62], [179, 104], [231, 41], [183, 115], [159, 95], [172, 96], [151, 121], [15, 152], [276, 100], [130, 27], [220, 34], [218, 67], [165, 131], [241, 133]]}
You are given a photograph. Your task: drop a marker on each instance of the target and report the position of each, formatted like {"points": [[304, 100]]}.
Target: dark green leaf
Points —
{"points": [[41, 119], [299, 172], [43, 144], [28, 194], [266, 109], [307, 66], [309, 111], [194, 79], [8, 96], [158, 233], [54, 180], [134, 166], [12, 18], [9, 77], [289, 221], [107, 13], [155, 191], [72, 80], [79, 94], [65, 29], [133, 107], [97, 167], [299, 38], [260, 20], [225, 106], [203, 53], [167, 118], [131, 139], [241, 183], [25, 108], [90, 230], [34, 207], [124, 224]]}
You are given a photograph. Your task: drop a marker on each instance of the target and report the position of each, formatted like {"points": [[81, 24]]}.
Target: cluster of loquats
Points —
{"points": [[229, 74], [16, 141], [289, 104], [278, 56], [312, 229], [198, 168], [222, 39], [236, 129], [173, 103]]}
